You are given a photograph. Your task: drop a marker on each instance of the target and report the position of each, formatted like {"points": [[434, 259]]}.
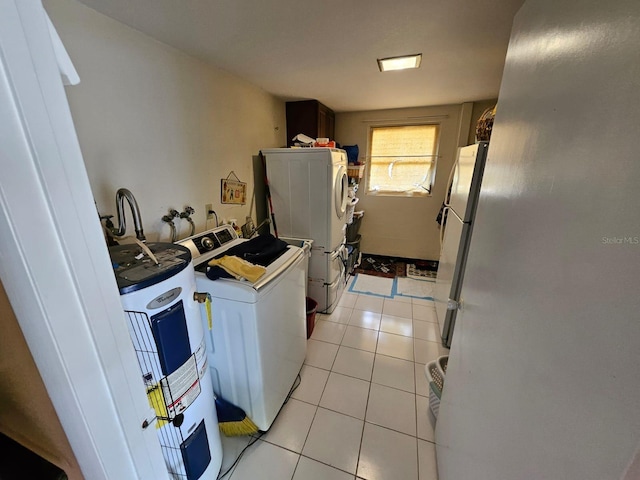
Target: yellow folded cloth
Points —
{"points": [[239, 268]]}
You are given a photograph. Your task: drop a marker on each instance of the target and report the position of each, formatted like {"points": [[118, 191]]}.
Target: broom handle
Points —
{"points": [[268, 192]]}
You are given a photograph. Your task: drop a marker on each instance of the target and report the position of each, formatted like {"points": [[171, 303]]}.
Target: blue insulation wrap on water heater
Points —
{"points": [[172, 338]]}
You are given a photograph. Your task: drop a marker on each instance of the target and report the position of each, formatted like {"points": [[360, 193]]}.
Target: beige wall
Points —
{"points": [[159, 122], [169, 127], [402, 226]]}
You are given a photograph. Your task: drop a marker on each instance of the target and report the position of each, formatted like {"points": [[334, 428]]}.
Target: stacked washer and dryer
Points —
{"points": [[309, 194]]}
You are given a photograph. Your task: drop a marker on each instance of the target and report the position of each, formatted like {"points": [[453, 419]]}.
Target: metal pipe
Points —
{"points": [[169, 220], [188, 211], [121, 195], [173, 213]]}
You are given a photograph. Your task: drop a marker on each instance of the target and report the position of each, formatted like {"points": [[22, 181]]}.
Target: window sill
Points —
{"points": [[375, 193]]}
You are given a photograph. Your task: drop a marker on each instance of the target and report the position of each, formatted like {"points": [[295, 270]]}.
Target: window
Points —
{"points": [[403, 159]]}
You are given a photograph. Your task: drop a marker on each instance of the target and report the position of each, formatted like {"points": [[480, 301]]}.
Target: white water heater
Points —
{"points": [[164, 323]]}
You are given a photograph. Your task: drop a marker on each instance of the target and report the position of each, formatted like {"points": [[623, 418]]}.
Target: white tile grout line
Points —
{"points": [[415, 394], [394, 289]]}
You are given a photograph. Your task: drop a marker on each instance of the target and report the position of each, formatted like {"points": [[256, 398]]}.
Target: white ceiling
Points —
{"points": [[327, 50]]}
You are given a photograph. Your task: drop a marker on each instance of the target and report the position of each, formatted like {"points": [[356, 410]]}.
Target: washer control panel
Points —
{"points": [[209, 241], [226, 235], [206, 243]]}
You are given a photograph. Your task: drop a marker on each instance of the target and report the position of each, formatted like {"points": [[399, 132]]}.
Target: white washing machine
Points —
{"points": [[256, 341], [309, 194], [165, 326]]}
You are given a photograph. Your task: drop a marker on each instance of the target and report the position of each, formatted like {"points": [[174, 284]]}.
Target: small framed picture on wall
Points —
{"points": [[233, 190]]}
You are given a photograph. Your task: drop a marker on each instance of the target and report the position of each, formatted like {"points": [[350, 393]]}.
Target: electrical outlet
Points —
{"points": [[208, 208]]}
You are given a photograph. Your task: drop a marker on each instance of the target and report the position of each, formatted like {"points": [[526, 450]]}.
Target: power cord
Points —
{"points": [[296, 384], [255, 438], [235, 464]]}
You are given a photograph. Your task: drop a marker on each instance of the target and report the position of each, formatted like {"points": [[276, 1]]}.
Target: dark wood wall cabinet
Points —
{"points": [[311, 118]]}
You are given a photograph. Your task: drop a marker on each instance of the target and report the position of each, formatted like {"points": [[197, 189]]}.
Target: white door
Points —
{"points": [[55, 266], [543, 374]]}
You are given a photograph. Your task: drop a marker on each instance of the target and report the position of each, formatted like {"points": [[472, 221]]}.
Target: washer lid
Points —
{"points": [[134, 270], [245, 291]]}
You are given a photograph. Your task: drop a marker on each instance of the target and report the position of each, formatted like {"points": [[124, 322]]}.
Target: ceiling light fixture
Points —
{"points": [[399, 63]]}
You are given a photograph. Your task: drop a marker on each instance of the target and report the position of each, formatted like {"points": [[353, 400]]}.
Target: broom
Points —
{"points": [[232, 420], [268, 192]]}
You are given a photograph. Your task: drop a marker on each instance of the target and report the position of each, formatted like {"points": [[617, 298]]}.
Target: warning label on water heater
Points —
{"points": [[181, 388]]}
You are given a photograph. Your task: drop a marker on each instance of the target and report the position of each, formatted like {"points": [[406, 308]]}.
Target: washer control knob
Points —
{"points": [[207, 243]]}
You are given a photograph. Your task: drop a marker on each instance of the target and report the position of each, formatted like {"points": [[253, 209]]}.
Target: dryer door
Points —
{"points": [[338, 198], [340, 189]]}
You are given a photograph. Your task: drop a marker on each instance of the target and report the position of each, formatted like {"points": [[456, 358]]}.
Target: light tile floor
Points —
{"points": [[361, 410]]}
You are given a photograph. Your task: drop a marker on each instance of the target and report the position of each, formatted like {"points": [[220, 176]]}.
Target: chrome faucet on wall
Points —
{"points": [[121, 195]]}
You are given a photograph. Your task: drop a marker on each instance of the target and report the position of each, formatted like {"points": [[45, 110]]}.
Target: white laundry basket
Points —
{"points": [[435, 372]]}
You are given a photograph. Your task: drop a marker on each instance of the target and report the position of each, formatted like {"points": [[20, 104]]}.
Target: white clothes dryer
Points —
{"points": [[309, 193]]}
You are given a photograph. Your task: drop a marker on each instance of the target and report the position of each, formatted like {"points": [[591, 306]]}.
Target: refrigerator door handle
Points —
{"points": [[442, 225], [447, 193]]}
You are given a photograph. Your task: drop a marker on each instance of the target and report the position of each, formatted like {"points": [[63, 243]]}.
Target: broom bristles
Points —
{"points": [[232, 420], [237, 429]]}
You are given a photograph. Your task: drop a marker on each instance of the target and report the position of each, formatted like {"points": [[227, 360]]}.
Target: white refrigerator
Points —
{"points": [[460, 210], [543, 377]]}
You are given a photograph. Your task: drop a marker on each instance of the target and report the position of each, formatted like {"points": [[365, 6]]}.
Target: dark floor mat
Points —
{"points": [[381, 266], [391, 267]]}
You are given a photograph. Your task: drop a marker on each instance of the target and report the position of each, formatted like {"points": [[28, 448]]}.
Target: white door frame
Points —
{"points": [[54, 263]]}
